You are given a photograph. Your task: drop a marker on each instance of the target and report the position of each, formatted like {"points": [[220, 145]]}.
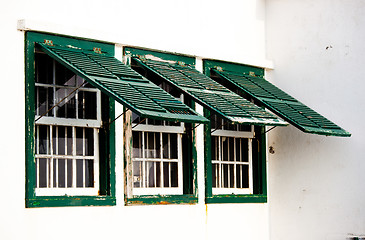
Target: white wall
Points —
{"points": [[316, 183], [229, 30]]}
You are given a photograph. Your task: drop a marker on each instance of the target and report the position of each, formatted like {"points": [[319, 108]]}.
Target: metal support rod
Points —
{"points": [[118, 116], [139, 122], [270, 129], [196, 126], [60, 101]]}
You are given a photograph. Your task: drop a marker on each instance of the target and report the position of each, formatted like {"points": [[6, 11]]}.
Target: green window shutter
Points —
{"points": [[209, 93], [282, 104], [123, 84]]}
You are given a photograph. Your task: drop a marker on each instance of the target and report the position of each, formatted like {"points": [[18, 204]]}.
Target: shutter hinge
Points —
{"points": [[252, 74], [48, 42], [97, 50]]}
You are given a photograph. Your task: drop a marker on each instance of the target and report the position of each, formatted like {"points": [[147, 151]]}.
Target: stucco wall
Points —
{"points": [[230, 30], [317, 183]]}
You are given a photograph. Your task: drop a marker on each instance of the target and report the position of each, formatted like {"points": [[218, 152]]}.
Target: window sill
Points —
{"points": [[249, 198], [161, 200], [68, 201]]}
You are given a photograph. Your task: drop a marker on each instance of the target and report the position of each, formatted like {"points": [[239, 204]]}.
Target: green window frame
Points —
{"points": [[189, 159], [106, 193], [259, 168]]}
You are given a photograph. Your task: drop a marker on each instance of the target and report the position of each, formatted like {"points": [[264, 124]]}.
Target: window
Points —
{"points": [[235, 154], [157, 158], [163, 157], [231, 156], [66, 136], [69, 151]]}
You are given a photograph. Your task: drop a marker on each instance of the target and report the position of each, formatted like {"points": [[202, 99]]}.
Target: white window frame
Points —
{"points": [[53, 121], [235, 134], [179, 130]]}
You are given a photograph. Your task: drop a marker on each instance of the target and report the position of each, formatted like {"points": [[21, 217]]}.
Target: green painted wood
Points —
{"points": [[282, 104], [162, 199], [209, 93], [123, 84], [107, 163], [236, 199], [64, 201]]}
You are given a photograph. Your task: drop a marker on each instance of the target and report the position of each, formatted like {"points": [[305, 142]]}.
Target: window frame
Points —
{"points": [[188, 132], [106, 191], [235, 134], [259, 156]]}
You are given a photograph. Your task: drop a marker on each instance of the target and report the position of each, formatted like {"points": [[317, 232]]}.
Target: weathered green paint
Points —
{"points": [[167, 56], [209, 93], [162, 199], [209, 64], [70, 201], [273, 98], [123, 84], [255, 198], [107, 165]]}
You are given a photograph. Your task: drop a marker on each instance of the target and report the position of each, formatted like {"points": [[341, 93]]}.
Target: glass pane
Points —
{"points": [[238, 176], [231, 148], [238, 149], [157, 145], [244, 147], [225, 175], [136, 119], [43, 133], [61, 140], [245, 176], [214, 148], [79, 172], [66, 108], [42, 174], [137, 144], [165, 145], [169, 123], [245, 128], [174, 174], [150, 173], [69, 140], [89, 141], [173, 146], [231, 175], [54, 174], [44, 100], [166, 174], [154, 122], [43, 68], [89, 173], [87, 105], [150, 143], [79, 141], [61, 173], [137, 174], [158, 174], [64, 76], [225, 148], [69, 173]]}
